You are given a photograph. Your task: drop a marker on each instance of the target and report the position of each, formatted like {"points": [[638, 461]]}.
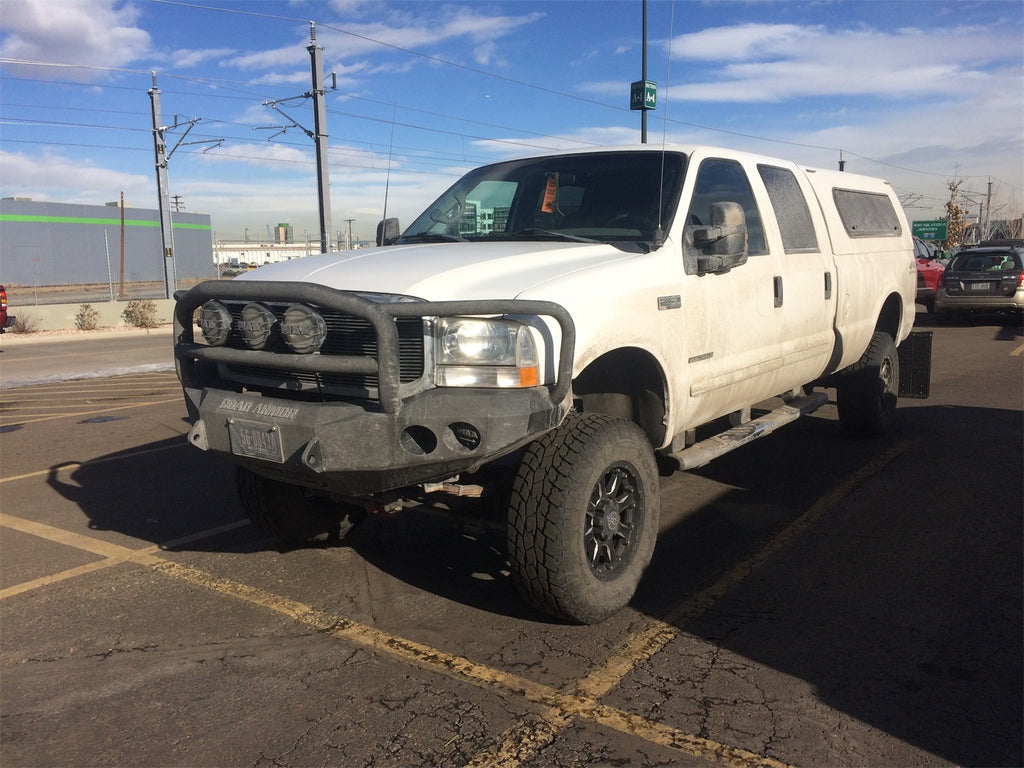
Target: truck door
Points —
{"points": [[731, 326], [805, 286]]}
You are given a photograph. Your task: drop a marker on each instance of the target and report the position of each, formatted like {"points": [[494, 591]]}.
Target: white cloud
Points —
{"points": [[53, 176], [267, 154], [185, 58], [87, 32], [775, 62]]}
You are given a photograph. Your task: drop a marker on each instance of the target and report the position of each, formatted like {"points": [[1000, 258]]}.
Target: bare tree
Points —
{"points": [[956, 215]]}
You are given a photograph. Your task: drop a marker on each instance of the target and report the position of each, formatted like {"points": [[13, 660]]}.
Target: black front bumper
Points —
{"points": [[347, 449], [351, 446]]}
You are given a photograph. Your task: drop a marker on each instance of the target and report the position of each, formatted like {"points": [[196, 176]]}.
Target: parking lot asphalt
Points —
{"points": [[813, 601]]}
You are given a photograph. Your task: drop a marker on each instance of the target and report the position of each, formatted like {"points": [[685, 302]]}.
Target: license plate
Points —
{"points": [[255, 440], [979, 286]]}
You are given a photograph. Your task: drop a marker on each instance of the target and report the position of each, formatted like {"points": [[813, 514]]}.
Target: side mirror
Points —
{"points": [[388, 232], [723, 245]]}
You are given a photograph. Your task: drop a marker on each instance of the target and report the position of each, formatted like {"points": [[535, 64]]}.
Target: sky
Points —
{"points": [[418, 92]]}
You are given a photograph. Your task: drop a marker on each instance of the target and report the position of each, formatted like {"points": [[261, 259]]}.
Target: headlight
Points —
{"points": [[474, 352]]}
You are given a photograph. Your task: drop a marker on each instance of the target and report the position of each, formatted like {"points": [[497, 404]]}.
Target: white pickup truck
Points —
{"points": [[544, 340]]}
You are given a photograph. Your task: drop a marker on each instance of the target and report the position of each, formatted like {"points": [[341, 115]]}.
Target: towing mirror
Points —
{"points": [[723, 245], [388, 232]]}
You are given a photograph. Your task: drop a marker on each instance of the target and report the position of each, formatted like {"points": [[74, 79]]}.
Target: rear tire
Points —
{"points": [[583, 517], [867, 393], [294, 514]]}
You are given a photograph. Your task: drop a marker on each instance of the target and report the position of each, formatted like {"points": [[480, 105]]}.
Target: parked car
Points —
{"points": [[984, 278], [6, 321], [929, 268]]}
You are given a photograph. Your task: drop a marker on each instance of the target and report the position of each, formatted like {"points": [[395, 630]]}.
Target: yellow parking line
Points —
{"points": [[112, 554], [522, 741], [91, 412], [530, 734], [91, 462], [561, 708], [1018, 351]]}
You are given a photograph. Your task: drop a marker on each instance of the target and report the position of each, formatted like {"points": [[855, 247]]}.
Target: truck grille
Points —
{"points": [[346, 335]]}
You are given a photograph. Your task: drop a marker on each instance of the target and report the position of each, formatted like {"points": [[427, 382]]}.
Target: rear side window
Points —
{"points": [[790, 209], [867, 214]]}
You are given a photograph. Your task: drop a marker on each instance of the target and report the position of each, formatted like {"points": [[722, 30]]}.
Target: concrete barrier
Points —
{"points": [[59, 317]]}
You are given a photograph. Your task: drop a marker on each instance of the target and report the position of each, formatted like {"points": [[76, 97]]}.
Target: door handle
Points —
{"points": [[828, 286], [778, 290]]}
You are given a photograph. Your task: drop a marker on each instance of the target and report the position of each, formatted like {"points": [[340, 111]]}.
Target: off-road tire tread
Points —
{"points": [[860, 412], [545, 478]]}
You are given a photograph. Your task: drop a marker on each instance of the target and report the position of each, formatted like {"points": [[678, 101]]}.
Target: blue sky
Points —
{"points": [[916, 92]]}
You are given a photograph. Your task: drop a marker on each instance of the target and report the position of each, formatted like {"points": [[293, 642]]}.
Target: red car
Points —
{"points": [[929, 268], [5, 319]]}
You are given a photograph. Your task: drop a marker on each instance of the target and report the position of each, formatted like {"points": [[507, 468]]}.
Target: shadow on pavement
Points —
{"points": [[901, 606]]}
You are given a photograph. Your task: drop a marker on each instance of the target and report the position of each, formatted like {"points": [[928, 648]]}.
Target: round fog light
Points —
{"points": [[256, 324], [215, 322], [303, 328]]}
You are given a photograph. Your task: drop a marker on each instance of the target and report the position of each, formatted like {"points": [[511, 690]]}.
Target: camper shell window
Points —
{"points": [[867, 214]]}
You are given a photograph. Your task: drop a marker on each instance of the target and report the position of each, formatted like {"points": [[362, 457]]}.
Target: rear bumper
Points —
{"points": [[965, 302]]}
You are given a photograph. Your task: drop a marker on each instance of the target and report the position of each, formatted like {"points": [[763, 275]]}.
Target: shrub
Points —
{"points": [[26, 323], [87, 318], [141, 313]]}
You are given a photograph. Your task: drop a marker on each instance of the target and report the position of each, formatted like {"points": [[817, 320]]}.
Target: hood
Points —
{"points": [[444, 271]]}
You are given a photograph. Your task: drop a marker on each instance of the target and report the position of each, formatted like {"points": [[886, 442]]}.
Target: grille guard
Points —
{"points": [[381, 316]]}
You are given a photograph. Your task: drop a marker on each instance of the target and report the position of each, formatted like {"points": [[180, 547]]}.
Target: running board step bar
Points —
{"points": [[699, 454]]}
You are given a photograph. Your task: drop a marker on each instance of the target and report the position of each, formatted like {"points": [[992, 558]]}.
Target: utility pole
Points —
{"points": [[318, 134], [120, 288], [988, 209], [350, 233], [163, 200], [318, 93]]}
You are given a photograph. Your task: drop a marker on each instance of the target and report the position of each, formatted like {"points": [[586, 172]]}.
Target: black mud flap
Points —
{"points": [[916, 365]]}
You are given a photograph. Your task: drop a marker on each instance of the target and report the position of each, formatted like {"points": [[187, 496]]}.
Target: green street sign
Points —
{"points": [[643, 94], [929, 230]]}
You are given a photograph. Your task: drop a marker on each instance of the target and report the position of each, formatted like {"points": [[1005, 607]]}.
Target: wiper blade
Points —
{"points": [[434, 237], [557, 235]]}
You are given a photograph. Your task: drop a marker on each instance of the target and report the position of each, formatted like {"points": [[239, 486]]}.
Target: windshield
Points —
{"points": [[599, 197]]}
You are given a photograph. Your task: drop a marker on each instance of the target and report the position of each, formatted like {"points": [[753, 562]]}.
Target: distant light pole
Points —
{"points": [[643, 94]]}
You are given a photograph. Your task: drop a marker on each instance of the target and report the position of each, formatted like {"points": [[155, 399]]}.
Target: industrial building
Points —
{"points": [[62, 244]]}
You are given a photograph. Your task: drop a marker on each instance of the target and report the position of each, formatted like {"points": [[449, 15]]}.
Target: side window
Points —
{"points": [[866, 214], [720, 181], [790, 209]]}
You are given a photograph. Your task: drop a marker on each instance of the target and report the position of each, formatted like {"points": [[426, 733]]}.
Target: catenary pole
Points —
{"points": [[320, 137], [163, 198]]}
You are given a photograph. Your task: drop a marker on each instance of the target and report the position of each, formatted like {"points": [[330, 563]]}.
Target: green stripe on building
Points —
{"points": [[88, 220]]}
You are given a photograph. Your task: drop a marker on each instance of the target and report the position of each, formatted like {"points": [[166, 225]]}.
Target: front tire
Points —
{"points": [[867, 394], [294, 514], [583, 517]]}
